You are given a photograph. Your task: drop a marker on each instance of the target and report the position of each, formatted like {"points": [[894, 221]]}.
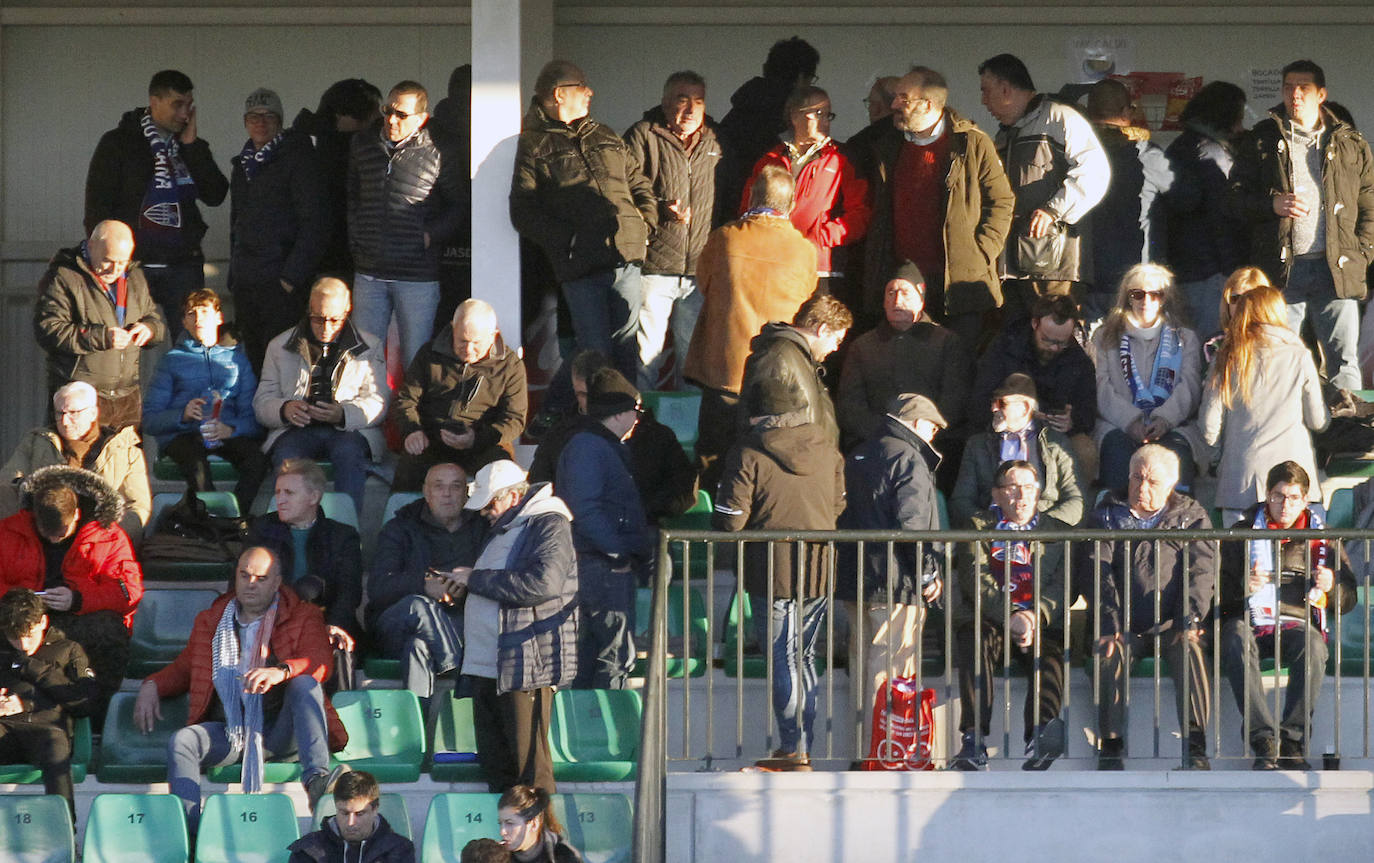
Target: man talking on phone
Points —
{"points": [[464, 398]]}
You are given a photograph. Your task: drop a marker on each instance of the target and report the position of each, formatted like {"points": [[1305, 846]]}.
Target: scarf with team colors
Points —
{"points": [[252, 161], [1264, 603], [1163, 375], [160, 216], [1020, 581]]}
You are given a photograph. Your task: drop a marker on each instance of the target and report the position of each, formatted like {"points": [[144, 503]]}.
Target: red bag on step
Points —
{"points": [[904, 733]]}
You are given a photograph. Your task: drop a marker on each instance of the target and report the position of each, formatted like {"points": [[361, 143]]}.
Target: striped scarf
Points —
{"points": [[242, 711], [252, 161]]}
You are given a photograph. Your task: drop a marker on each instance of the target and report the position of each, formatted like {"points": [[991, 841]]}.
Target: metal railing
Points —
{"points": [[655, 754]]}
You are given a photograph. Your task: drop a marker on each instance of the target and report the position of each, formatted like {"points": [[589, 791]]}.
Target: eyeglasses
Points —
{"points": [[905, 101], [399, 115], [1056, 344], [1020, 489], [321, 320], [818, 113], [578, 84], [74, 412], [1138, 295]]}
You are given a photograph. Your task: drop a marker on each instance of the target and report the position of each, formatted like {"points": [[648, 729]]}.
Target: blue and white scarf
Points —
{"points": [[1164, 374], [160, 212], [243, 720], [252, 161], [1264, 603]]}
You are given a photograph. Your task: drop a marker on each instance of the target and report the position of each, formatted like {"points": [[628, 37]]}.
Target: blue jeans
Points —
{"points": [[791, 684], [299, 729], [670, 302], [414, 302], [425, 636], [1204, 301], [1311, 295], [346, 450], [1118, 447], [605, 627], [604, 308]]}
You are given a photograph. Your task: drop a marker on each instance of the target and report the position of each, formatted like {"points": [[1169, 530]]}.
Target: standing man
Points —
{"points": [[676, 147], [403, 206], [148, 172], [940, 200], [277, 228], [1058, 172], [793, 353], [1304, 179], [323, 391], [579, 194], [94, 315]]}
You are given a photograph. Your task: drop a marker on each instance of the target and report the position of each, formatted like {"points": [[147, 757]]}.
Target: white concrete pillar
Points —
{"points": [[511, 40]]}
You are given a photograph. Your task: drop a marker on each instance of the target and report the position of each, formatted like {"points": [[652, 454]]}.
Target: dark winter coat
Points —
{"points": [[780, 352], [1129, 223], [979, 573], [53, 684], [1235, 571], [747, 130], [410, 545], [676, 175], [118, 179], [594, 480], [926, 359], [334, 558], [789, 478], [1203, 238], [1069, 378], [277, 226], [327, 846], [395, 197], [72, 320], [889, 486], [1060, 495], [1264, 169], [331, 164], [579, 194]]}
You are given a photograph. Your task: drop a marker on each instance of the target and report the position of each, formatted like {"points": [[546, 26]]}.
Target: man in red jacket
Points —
{"points": [[66, 545], [253, 666]]}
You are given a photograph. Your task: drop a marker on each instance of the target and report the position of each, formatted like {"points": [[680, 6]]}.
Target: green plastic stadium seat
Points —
{"points": [[163, 626], [36, 828], [455, 742], [393, 810], [27, 774], [336, 505], [453, 821], [1342, 511], [378, 668], [220, 470], [246, 828], [136, 828], [696, 518], [128, 755], [598, 825], [695, 660], [594, 735], [218, 503], [678, 411], [396, 501], [386, 733]]}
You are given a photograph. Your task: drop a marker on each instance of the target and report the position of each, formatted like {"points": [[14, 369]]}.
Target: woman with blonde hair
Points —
{"points": [[1261, 398], [1149, 375], [1238, 284]]}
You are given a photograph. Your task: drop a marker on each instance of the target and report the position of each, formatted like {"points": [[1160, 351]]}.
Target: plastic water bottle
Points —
{"points": [[207, 425]]}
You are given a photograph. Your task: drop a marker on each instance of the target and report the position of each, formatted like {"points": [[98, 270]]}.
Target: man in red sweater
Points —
{"points": [[66, 545]]}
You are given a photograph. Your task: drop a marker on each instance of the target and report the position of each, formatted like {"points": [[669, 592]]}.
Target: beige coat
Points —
{"points": [[120, 463], [1116, 410], [1285, 401]]}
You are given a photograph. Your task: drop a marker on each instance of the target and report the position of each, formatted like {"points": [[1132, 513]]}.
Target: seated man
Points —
{"points": [[77, 439], [68, 547], [611, 532], [44, 682], [321, 559], [410, 609], [1000, 602], [463, 400], [890, 487], [323, 391], [520, 620], [254, 667], [665, 477], [357, 831], [1046, 348], [200, 402], [1304, 577], [1017, 435], [1131, 577]]}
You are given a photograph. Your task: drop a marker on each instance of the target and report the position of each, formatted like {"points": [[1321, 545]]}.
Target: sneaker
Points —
{"points": [[971, 756], [1045, 745], [1266, 753], [1291, 755], [785, 762], [1109, 756], [323, 783]]}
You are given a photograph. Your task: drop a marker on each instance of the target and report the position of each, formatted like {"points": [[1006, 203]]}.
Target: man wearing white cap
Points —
{"points": [[522, 599]]}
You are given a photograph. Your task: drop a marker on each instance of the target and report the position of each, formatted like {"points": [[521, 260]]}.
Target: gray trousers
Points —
{"points": [[1302, 651], [1182, 657]]}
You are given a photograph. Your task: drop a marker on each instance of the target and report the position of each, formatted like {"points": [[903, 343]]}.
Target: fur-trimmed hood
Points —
{"points": [[96, 498]]}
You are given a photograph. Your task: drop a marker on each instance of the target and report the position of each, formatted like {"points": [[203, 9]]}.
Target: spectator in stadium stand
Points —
{"points": [[67, 546], [277, 225], [906, 353], [1237, 285], [1149, 375], [200, 402], [148, 172], [878, 103], [463, 400], [785, 474], [830, 205], [77, 438], [357, 832], [254, 668], [1011, 591], [1047, 348], [450, 125], [1137, 576], [1311, 583], [1017, 435], [94, 317], [529, 829], [752, 271], [485, 851], [941, 200]]}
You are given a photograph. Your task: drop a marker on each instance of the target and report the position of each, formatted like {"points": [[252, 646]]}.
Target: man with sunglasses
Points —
{"points": [[323, 391], [404, 203]]}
